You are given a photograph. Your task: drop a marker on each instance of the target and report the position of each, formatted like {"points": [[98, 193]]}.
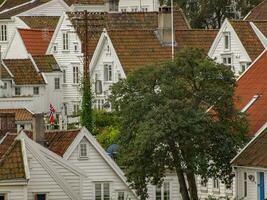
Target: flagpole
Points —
{"points": [[172, 29]]}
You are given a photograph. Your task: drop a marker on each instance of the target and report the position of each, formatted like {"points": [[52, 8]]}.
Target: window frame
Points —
{"points": [[5, 194], [34, 90], [65, 41], [245, 186], [3, 33], [228, 35], [41, 193], [55, 47], [227, 63], [86, 150], [109, 74], [64, 76], [161, 189], [17, 88], [57, 83], [102, 190], [216, 185], [75, 75]]}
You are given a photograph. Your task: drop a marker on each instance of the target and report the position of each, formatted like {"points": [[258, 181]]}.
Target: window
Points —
{"points": [[36, 90], [75, 109], [227, 41], [108, 73], [245, 185], [64, 76], [99, 104], [40, 197], [120, 195], [203, 183], [216, 184], [57, 83], [76, 47], [134, 9], [3, 33], [54, 48], [5, 85], [75, 75], [144, 9], [3, 196], [17, 91], [227, 60], [163, 192], [65, 109], [244, 66], [123, 9], [65, 41], [83, 151], [98, 85], [102, 191], [108, 52]]}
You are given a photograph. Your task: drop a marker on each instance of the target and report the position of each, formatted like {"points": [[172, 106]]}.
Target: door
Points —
{"points": [[261, 185]]}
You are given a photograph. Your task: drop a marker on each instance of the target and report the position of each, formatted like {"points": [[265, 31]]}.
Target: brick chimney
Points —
{"points": [[38, 128], [7, 123], [165, 25]]}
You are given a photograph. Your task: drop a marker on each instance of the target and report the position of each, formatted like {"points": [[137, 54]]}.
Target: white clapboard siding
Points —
{"points": [[237, 50], [97, 169], [42, 182], [52, 8], [14, 192]]}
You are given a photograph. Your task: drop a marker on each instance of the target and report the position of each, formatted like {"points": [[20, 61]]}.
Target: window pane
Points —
{"points": [[98, 191], [166, 191], [106, 73], [121, 196], [40, 197], [83, 150], [158, 192], [106, 191]]}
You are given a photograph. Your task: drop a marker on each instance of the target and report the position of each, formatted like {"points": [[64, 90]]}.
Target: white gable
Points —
{"points": [[236, 51]]}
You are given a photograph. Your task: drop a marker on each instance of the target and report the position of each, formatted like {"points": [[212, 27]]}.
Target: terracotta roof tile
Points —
{"points": [[46, 63], [254, 82], [12, 3], [258, 12], [8, 11], [11, 164], [132, 54], [255, 154], [7, 141], [36, 41], [41, 22], [119, 21], [24, 72], [4, 74], [21, 114], [262, 26], [248, 38], [195, 38]]}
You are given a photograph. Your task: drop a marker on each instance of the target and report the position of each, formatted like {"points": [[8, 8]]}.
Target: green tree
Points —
{"points": [[166, 125], [86, 112]]}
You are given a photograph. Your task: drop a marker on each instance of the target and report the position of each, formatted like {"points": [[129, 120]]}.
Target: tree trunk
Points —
{"points": [[192, 185]]}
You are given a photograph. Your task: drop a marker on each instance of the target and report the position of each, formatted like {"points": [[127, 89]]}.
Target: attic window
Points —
{"points": [[227, 44], [250, 103], [3, 196], [83, 151], [3, 33], [55, 48]]}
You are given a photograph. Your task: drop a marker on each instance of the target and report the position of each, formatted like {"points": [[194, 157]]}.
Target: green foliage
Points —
{"points": [[86, 112], [106, 127], [211, 13], [166, 126]]}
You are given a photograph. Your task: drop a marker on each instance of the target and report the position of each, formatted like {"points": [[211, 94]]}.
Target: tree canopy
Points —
{"points": [[166, 123]]}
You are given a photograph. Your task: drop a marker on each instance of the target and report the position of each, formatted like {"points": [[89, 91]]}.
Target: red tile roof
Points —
{"points": [[254, 82], [4, 74], [46, 63], [36, 41], [11, 164], [24, 72], [21, 114], [195, 38], [132, 54], [248, 37], [258, 12], [85, 2], [7, 141], [41, 22]]}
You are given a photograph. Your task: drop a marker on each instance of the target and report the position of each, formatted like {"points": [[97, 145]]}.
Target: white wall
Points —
{"points": [[151, 5], [97, 169]]}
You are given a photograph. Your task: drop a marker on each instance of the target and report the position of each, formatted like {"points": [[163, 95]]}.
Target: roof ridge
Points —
{"points": [[35, 29], [130, 30]]}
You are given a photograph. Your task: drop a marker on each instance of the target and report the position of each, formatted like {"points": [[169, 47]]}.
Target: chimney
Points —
{"points": [[7, 123], [165, 25], [38, 127]]}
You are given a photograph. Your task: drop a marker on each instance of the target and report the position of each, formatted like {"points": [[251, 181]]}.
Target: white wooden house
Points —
{"points": [[238, 44], [139, 5]]}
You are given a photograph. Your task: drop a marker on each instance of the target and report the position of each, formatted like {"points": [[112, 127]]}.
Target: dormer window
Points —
{"points": [[108, 72], [227, 43], [65, 41], [83, 151], [3, 33], [108, 50]]}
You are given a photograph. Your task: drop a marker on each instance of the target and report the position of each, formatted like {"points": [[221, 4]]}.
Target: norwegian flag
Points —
{"points": [[51, 114]]}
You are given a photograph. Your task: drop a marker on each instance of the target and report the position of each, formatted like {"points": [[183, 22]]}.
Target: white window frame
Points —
{"points": [[41, 193], [99, 103], [64, 76], [75, 74], [5, 194], [121, 192], [227, 34], [76, 109], [3, 33], [123, 9], [57, 83], [102, 190], [55, 48], [65, 41], [84, 144], [162, 190], [144, 8], [227, 63], [108, 72], [17, 88], [215, 185], [75, 47], [134, 9], [38, 89]]}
